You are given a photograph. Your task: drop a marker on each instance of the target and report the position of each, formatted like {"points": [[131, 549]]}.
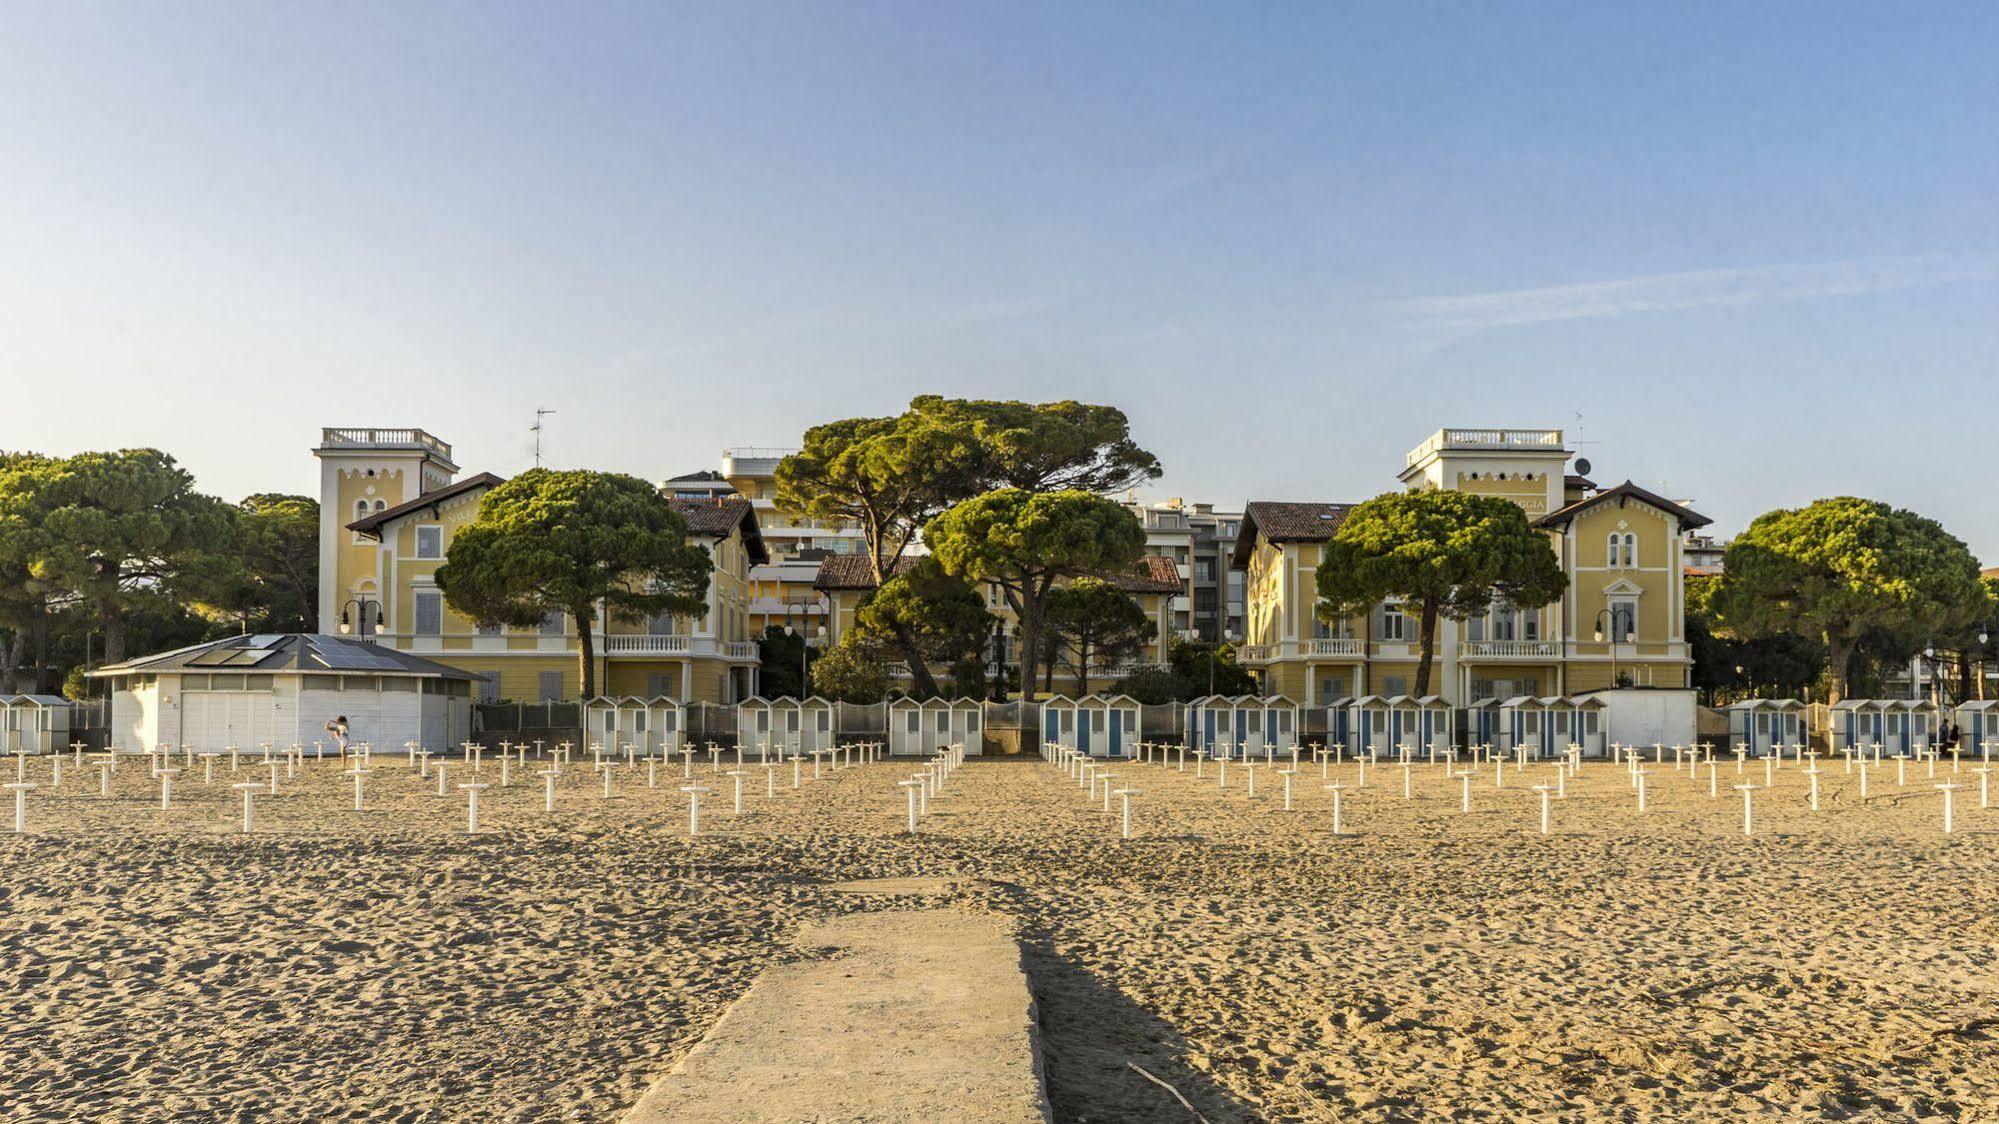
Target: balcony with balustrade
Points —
{"points": [[1486, 440], [365, 438], [1509, 650]]}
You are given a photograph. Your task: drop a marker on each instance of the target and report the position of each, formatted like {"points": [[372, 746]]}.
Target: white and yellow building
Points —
{"points": [[1621, 548], [390, 501]]}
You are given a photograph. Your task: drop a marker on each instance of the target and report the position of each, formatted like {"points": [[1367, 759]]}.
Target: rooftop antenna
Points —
{"points": [[540, 412]]}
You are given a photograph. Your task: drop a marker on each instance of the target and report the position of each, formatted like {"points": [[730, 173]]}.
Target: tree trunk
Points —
{"points": [[1082, 668], [1839, 653], [114, 636], [10, 662], [1427, 646], [1963, 674], [586, 653], [922, 683], [1029, 611]]}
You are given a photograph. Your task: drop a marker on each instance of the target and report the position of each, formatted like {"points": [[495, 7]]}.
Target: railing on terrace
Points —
{"points": [[1335, 646], [361, 437], [1512, 648], [1486, 439]]}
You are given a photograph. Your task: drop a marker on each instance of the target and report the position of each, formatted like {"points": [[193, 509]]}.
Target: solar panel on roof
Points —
{"points": [[266, 640], [343, 655], [215, 657], [249, 657]]}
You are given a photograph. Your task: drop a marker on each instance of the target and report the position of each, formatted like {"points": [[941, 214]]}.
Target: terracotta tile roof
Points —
{"points": [[846, 571], [1689, 518], [721, 516], [373, 524], [1286, 522], [1153, 574]]}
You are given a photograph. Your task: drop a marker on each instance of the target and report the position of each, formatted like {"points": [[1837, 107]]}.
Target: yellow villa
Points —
{"points": [[1620, 621], [390, 500]]}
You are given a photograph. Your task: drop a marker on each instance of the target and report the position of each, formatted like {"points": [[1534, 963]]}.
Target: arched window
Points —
{"points": [[1623, 550]]}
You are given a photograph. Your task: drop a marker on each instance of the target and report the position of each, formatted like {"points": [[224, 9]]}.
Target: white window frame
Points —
{"points": [[435, 535], [420, 598]]}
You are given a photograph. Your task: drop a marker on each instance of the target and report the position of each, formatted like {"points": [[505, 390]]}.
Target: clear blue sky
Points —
{"points": [[1756, 245]]}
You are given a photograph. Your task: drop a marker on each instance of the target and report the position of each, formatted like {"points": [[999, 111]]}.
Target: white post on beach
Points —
{"points": [[249, 789], [1812, 771], [1748, 792], [1126, 794], [20, 790], [1337, 789], [1641, 789], [1546, 792], [104, 778], [1249, 768], [1407, 792], [1360, 770], [1287, 775], [1223, 763], [1901, 770], [360, 776], [1713, 780], [548, 788], [167, 776], [1984, 785], [606, 770], [770, 780], [472, 790], [1108, 777], [738, 775], [1464, 803], [794, 770], [694, 792], [1949, 790], [909, 790], [55, 770]]}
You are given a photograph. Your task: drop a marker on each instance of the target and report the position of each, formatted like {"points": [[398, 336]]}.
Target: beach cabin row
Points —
{"points": [[1546, 725], [1390, 725], [919, 728], [1760, 725], [1898, 726], [654, 725], [1246, 725], [1094, 725], [34, 723], [788, 726]]}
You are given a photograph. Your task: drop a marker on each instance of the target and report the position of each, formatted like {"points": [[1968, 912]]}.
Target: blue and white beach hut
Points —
{"points": [[1763, 724], [1978, 727], [1339, 723], [1481, 723], [1368, 723]]}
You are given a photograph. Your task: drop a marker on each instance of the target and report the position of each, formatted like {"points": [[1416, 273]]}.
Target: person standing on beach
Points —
{"points": [[338, 729]]}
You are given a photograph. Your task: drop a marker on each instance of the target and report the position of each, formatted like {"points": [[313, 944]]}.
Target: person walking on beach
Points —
{"points": [[338, 729]]}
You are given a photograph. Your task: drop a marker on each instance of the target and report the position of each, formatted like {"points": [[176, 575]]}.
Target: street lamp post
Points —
{"points": [[1605, 622], [361, 606], [803, 610]]}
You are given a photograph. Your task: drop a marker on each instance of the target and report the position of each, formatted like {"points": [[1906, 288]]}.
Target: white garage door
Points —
{"points": [[220, 719]]}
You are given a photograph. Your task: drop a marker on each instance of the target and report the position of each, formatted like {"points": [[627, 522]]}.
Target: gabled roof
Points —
{"points": [[1154, 574], [720, 517], [1689, 518], [1276, 522], [289, 651], [428, 501]]}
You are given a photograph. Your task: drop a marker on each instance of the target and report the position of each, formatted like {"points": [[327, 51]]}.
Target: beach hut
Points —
{"points": [[922, 727], [1245, 725], [1852, 724], [1519, 723], [1095, 725], [614, 721], [1762, 724], [1417, 724], [1367, 725], [1912, 726], [1978, 727], [1589, 726], [1339, 722], [283, 688], [34, 723], [1481, 723], [785, 725], [666, 724]]}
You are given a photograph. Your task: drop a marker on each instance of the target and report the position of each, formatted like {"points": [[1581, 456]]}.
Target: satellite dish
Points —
{"points": [[1582, 466]]}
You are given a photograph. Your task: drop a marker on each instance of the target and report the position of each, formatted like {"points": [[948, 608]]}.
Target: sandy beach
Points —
{"points": [[384, 965]]}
